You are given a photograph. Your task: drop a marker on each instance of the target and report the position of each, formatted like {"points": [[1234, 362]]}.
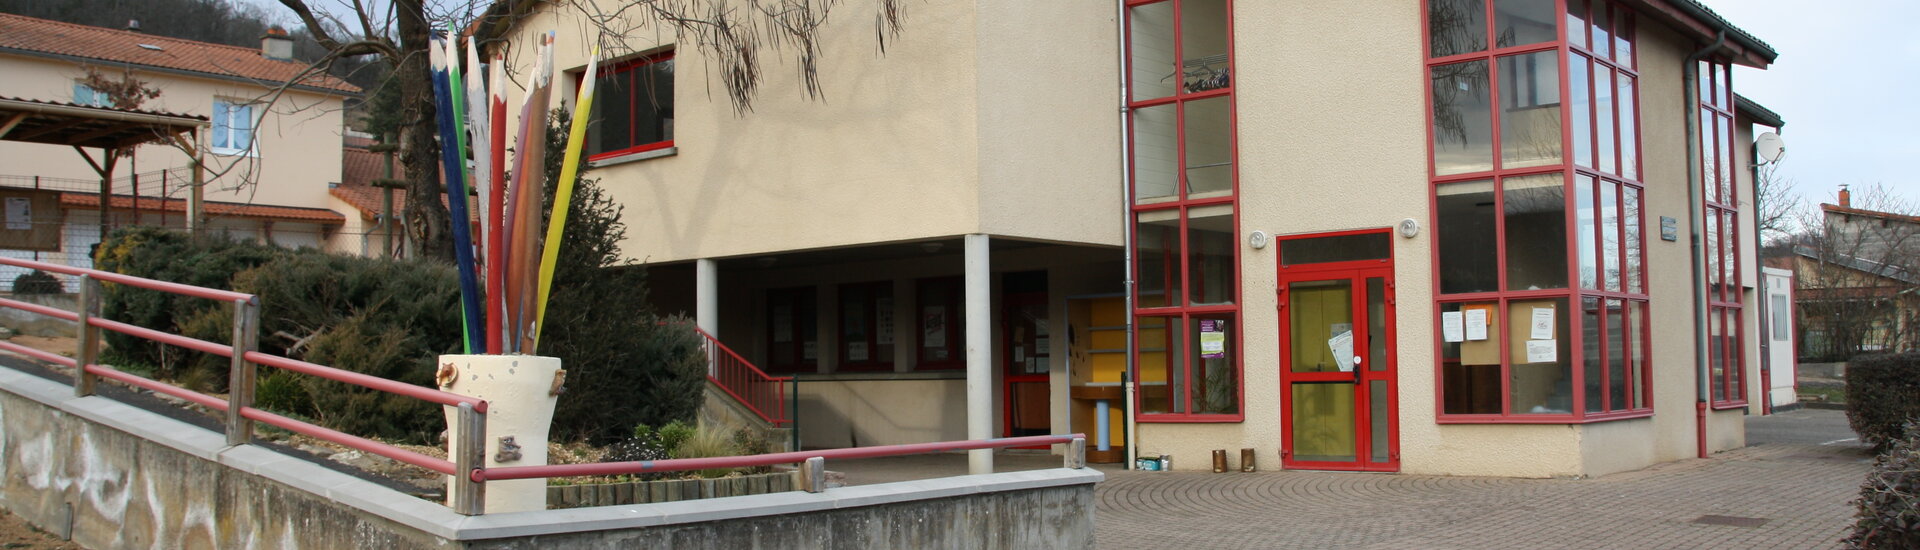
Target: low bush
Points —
{"points": [[37, 282], [1889, 504], [1883, 394], [708, 444]]}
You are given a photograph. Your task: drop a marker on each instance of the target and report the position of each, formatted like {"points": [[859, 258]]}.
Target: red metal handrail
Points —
{"points": [[685, 464], [132, 281], [764, 394], [226, 350], [429, 395]]}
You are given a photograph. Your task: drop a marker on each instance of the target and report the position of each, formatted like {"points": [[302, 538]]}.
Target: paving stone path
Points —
{"points": [[1796, 490]]}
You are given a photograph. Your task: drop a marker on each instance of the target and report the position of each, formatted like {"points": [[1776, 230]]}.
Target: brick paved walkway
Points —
{"points": [[1801, 488]]}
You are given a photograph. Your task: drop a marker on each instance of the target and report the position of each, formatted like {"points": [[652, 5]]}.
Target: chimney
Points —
{"points": [[276, 45], [133, 25], [1846, 199]]}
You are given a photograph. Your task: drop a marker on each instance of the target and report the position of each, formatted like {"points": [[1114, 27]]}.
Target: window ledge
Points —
{"points": [[1151, 418], [1729, 405], [1592, 418], [224, 152], [634, 157]]}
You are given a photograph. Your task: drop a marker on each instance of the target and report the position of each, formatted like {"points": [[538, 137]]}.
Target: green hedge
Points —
{"points": [[1883, 394], [1889, 504]]}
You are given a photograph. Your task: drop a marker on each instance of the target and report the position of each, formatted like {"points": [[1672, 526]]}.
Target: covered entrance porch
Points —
{"points": [[940, 339]]}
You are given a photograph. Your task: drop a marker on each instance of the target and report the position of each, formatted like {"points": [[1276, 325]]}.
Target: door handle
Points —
{"points": [[1358, 369]]}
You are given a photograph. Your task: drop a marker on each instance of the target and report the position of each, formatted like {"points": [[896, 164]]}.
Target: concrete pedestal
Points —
{"points": [[520, 400]]}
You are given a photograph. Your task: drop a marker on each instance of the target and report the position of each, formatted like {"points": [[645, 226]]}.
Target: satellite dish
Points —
{"points": [[1769, 147]]}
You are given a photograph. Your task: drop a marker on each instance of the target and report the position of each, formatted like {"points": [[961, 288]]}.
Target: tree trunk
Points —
{"points": [[427, 219]]}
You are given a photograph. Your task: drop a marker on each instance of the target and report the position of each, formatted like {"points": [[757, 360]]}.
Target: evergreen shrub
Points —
{"points": [[1883, 394], [36, 282], [1888, 513]]}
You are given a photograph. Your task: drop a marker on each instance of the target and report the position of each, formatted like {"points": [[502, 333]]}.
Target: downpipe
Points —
{"points": [[1696, 201], [1126, 231]]}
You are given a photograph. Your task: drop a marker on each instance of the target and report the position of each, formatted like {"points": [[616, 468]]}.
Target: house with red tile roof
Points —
{"points": [[272, 149]]}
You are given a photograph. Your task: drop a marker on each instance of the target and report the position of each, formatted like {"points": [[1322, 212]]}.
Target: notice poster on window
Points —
{"points": [[808, 351], [933, 327], [19, 213], [1542, 351], [883, 321], [1542, 325], [1342, 346], [856, 351], [1213, 339], [1476, 321], [1453, 326], [783, 323]]}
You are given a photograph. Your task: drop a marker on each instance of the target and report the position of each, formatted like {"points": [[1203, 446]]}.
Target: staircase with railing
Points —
{"points": [[763, 395]]}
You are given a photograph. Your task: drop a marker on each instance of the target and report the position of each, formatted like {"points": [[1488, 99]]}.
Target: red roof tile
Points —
{"points": [[67, 39], [358, 168], [214, 209]]}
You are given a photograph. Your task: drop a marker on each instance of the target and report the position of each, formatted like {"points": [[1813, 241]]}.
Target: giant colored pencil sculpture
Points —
{"points": [[529, 177], [476, 101], [495, 220], [454, 173], [563, 192]]}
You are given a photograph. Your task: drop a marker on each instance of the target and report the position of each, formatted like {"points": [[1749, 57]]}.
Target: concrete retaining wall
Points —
{"points": [[114, 476]]}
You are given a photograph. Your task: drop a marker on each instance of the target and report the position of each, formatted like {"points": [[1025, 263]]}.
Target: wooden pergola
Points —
{"points": [[112, 131]]}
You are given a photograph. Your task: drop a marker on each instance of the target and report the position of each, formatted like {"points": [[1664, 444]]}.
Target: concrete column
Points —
{"points": [[979, 352], [706, 304]]}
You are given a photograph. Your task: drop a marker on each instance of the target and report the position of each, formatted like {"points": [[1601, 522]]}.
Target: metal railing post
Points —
{"points": [[469, 497], [88, 354], [240, 377]]}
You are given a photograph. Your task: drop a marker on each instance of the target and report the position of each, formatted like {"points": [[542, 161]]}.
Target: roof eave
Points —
{"points": [[1759, 113], [185, 72], [1697, 20]]}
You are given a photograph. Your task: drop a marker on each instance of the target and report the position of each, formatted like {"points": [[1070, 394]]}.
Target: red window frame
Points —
{"points": [[1727, 336], [876, 361], [1574, 294], [951, 297], [629, 67], [803, 318], [1178, 310]]}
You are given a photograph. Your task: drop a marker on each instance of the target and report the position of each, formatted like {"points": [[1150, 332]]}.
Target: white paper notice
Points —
{"points": [[856, 351], [19, 213], [1542, 323], [1342, 347], [1452, 327], [1542, 351], [1476, 324]]}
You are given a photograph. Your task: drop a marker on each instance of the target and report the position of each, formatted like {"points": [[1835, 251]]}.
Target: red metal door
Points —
{"points": [[1025, 362], [1337, 368]]}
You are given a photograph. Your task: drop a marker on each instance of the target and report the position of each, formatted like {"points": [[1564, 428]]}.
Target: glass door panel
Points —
{"points": [[1319, 312], [1324, 429]]}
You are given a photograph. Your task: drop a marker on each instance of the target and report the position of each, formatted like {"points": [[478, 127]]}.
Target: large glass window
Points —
{"points": [[1726, 354], [633, 107], [1185, 218], [866, 326], [1537, 224], [941, 318], [791, 337]]}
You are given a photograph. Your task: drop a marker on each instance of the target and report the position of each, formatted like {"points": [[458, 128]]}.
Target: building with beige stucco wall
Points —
{"points": [[1188, 245], [271, 148]]}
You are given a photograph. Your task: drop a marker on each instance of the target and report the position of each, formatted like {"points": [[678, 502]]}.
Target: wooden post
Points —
{"points": [[1076, 456], [240, 377], [467, 496], [813, 475], [88, 354]]}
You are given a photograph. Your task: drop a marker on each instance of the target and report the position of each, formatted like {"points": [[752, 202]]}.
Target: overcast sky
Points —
{"points": [[1845, 82]]}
